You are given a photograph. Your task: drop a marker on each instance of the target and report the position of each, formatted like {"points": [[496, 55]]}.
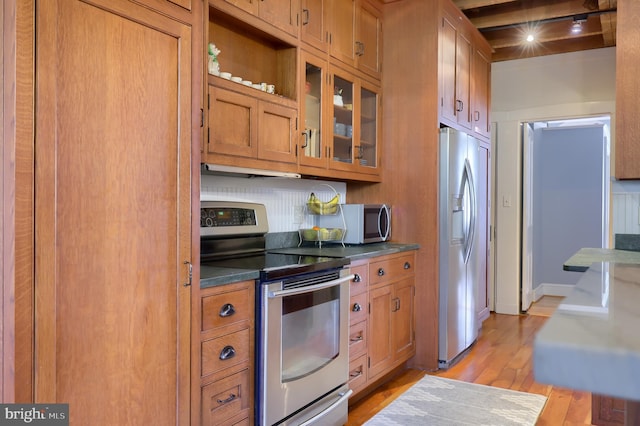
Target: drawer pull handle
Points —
{"points": [[380, 272], [357, 278], [227, 352], [356, 307], [356, 339], [407, 265], [356, 373], [225, 401], [227, 310]]}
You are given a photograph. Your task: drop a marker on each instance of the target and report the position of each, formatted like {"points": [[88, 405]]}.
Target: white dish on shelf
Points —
{"points": [[236, 79], [226, 75], [247, 82]]}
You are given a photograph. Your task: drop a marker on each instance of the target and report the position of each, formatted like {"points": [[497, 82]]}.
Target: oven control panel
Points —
{"points": [[220, 218]]}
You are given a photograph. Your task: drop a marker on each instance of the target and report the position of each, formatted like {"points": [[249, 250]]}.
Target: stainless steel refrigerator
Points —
{"points": [[463, 166]]}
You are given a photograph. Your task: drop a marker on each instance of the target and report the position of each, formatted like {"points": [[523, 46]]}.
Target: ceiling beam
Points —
{"points": [[473, 4], [536, 10]]}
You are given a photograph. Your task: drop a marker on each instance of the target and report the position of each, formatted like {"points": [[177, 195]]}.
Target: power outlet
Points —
{"points": [[298, 215]]}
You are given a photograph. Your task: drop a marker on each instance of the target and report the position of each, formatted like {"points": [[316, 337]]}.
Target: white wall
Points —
{"points": [[537, 89]]}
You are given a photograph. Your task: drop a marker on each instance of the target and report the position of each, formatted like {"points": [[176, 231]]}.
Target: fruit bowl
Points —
{"points": [[322, 234]]}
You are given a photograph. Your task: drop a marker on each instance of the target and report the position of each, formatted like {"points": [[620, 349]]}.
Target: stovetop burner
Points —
{"points": [[276, 265]]}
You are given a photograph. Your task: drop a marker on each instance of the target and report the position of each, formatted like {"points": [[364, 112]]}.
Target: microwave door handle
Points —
{"points": [[384, 235], [342, 397], [310, 288]]}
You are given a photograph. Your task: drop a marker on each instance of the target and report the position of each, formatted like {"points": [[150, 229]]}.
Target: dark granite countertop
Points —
{"points": [[585, 257], [210, 276]]}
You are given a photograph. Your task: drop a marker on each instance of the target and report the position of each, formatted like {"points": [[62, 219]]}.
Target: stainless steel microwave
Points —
{"points": [[367, 223]]}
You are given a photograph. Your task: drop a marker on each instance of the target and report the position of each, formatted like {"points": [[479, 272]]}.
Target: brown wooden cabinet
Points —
{"points": [[113, 238], [282, 14], [627, 145], [356, 35], [464, 74], [607, 411], [314, 18], [339, 135], [381, 317], [227, 354], [455, 69], [243, 126], [391, 321], [481, 91]]}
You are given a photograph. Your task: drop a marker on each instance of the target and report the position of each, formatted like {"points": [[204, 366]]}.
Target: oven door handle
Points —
{"points": [[309, 289], [314, 419]]}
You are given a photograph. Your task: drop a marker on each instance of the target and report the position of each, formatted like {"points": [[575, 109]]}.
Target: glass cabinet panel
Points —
{"points": [[367, 147], [343, 94], [312, 146]]}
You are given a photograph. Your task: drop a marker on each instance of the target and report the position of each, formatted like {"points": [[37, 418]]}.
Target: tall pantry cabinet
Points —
{"points": [[113, 240]]}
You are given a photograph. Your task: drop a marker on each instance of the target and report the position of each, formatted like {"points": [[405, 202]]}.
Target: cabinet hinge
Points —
{"points": [[189, 273]]}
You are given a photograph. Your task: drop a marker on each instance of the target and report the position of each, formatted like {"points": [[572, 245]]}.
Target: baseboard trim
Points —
{"points": [[550, 289]]}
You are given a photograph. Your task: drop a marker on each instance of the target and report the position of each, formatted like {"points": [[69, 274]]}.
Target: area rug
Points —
{"points": [[439, 401]]}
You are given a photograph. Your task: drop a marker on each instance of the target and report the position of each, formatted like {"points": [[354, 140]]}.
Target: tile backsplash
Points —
{"points": [[626, 207], [284, 198]]}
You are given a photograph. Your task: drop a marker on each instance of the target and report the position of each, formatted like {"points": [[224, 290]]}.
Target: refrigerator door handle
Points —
{"points": [[470, 234]]}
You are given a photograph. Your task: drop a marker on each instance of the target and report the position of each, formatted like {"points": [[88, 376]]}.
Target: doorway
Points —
{"points": [[565, 200]]}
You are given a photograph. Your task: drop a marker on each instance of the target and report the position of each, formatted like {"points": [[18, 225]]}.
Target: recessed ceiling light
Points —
{"points": [[530, 38]]}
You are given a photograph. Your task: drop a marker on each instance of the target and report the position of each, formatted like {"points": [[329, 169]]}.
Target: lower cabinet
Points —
{"points": [[385, 337], [607, 411], [227, 360]]}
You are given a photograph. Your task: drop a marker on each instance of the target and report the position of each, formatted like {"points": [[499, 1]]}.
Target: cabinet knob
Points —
{"points": [[227, 352], [407, 265], [357, 278], [227, 310], [356, 307], [380, 272]]}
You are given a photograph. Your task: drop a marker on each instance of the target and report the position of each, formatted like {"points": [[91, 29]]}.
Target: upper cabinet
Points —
{"points": [[356, 35], [465, 74], [251, 108], [627, 145], [323, 117], [481, 90], [313, 23], [282, 14]]}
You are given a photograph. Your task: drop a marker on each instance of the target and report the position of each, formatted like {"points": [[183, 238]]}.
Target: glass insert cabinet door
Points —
{"points": [[367, 146], [343, 124], [313, 151]]}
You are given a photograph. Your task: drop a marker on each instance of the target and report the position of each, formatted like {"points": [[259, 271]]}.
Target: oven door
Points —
{"points": [[303, 360]]}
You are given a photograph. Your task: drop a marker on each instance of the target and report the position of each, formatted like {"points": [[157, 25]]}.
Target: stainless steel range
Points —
{"points": [[302, 359]]}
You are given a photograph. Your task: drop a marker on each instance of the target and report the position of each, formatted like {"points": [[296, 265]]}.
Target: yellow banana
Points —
{"points": [[318, 207]]}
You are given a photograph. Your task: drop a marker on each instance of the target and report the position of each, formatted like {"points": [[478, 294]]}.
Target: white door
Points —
{"points": [[526, 285]]}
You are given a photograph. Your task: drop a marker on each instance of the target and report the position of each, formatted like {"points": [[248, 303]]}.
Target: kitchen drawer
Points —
{"points": [[392, 268], [360, 284], [357, 339], [226, 351], [227, 401], [226, 305], [358, 307], [358, 373]]}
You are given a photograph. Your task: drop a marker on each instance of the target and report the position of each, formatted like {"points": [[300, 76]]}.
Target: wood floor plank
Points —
{"points": [[501, 357]]}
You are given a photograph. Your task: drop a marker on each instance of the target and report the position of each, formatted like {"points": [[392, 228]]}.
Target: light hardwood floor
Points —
{"points": [[501, 357]]}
